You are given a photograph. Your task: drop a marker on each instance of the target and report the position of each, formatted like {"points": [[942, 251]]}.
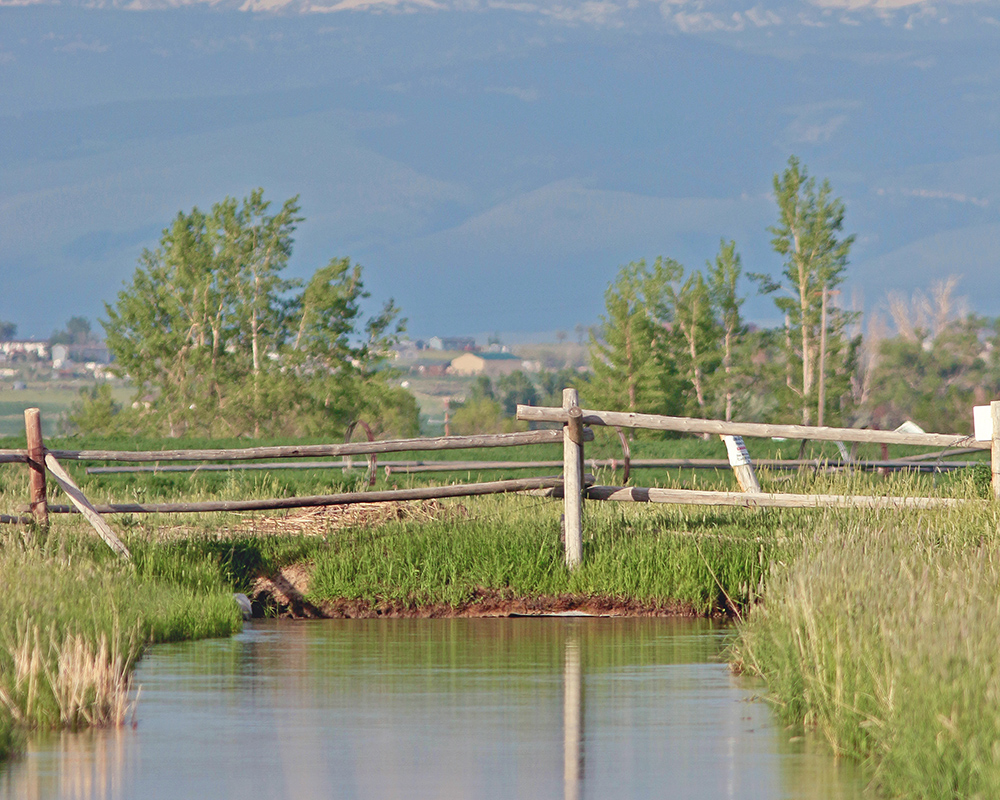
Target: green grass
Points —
{"points": [[74, 619], [511, 546], [882, 634], [54, 401]]}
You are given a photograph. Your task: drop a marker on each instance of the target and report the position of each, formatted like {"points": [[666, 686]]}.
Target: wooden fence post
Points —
{"points": [[573, 479], [36, 465], [995, 449]]}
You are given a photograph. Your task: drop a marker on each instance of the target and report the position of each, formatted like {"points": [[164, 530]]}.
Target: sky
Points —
{"points": [[492, 163]]}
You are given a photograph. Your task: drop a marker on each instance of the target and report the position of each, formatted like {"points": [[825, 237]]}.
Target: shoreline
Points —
{"points": [[285, 595]]}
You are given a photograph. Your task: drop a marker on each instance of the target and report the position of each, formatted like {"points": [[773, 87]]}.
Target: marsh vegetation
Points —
{"points": [[875, 628]]}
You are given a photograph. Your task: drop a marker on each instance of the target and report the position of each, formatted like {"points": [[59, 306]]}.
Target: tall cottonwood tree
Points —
{"points": [[216, 341], [808, 237]]}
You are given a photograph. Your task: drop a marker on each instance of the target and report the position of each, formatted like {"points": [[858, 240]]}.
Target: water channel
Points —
{"points": [[568, 708]]}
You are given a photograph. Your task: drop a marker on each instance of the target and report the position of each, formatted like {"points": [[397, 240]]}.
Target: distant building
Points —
{"points": [[19, 349], [490, 364], [467, 343], [89, 355]]}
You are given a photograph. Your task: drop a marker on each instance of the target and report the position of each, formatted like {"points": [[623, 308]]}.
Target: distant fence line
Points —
{"points": [[573, 485]]}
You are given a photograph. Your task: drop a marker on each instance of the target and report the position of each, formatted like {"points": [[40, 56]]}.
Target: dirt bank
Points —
{"points": [[285, 594]]}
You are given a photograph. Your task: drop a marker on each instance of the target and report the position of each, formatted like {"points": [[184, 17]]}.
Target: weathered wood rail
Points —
{"points": [[40, 461], [904, 464], [657, 422]]}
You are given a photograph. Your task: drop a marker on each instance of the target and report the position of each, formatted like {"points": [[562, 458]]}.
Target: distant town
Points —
{"points": [[22, 360]]}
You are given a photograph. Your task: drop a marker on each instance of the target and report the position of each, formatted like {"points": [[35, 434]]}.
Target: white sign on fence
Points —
{"points": [[737, 451], [982, 422]]}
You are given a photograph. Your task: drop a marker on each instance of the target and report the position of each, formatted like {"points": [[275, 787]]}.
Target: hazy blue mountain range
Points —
{"points": [[491, 164]]}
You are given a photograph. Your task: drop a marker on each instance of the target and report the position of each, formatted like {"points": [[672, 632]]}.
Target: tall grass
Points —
{"points": [[73, 622], [512, 547], [882, 634]]}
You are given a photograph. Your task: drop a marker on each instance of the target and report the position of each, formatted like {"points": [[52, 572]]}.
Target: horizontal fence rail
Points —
{"points": [[412, 467], [318, 450], [656, 422], [313, 501], [573, 485], [692, 497]]}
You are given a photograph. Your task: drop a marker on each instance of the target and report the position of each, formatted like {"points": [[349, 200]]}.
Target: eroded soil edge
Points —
{"points": [[286, 593]]}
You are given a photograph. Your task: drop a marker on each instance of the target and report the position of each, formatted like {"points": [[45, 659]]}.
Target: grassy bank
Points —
{"points": [[882, 634], [74, 620], [510, 547]]}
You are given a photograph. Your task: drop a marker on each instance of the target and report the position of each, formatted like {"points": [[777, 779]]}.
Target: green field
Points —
{"points": [[54, 402]]}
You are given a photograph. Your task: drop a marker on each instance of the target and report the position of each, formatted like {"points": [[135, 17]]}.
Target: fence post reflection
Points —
{"points": [[572, 717]]}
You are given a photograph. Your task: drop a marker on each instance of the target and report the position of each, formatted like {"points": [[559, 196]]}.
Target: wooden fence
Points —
{"points": [[572, 483], [574, 418]]}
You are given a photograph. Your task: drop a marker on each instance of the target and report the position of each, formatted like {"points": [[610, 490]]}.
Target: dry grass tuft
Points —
{"points": [[68, 680]]}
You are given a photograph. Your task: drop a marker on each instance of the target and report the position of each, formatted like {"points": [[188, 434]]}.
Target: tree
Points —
{"points": [[482, 412], [933, 382], [516, 389], [551, 385], [689, 331], [8, 330], [77, 331], [626, 373], [941, 360], [345, 371], [807, 237], [216, 341], [98, 413], [723, 275]]}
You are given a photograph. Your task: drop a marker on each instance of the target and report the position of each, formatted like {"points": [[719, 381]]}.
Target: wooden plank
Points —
{"points": [[7, 519], [951, 452], [913, 465], [572, 479], [36, 466], [319, 450], [394, 466], [347, 498], [13, 456], [657, 422], [765, 500], [83, 505]]}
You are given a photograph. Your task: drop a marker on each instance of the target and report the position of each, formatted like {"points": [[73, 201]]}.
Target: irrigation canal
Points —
{"points": [[464, 708]]}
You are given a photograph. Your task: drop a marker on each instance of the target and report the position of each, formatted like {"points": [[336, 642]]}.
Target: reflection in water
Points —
{"points": [[572, 717], [467, 708]]}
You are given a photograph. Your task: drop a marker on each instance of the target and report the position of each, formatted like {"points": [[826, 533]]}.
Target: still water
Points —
{"points": [[566, 708]]}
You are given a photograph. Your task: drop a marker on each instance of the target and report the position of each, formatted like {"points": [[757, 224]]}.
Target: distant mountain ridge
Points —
{"points": [[687, 16]]}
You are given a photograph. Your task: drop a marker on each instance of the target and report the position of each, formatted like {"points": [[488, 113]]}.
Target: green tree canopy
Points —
{"points": [[217, 341], [77, 331], [627, 374]]}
